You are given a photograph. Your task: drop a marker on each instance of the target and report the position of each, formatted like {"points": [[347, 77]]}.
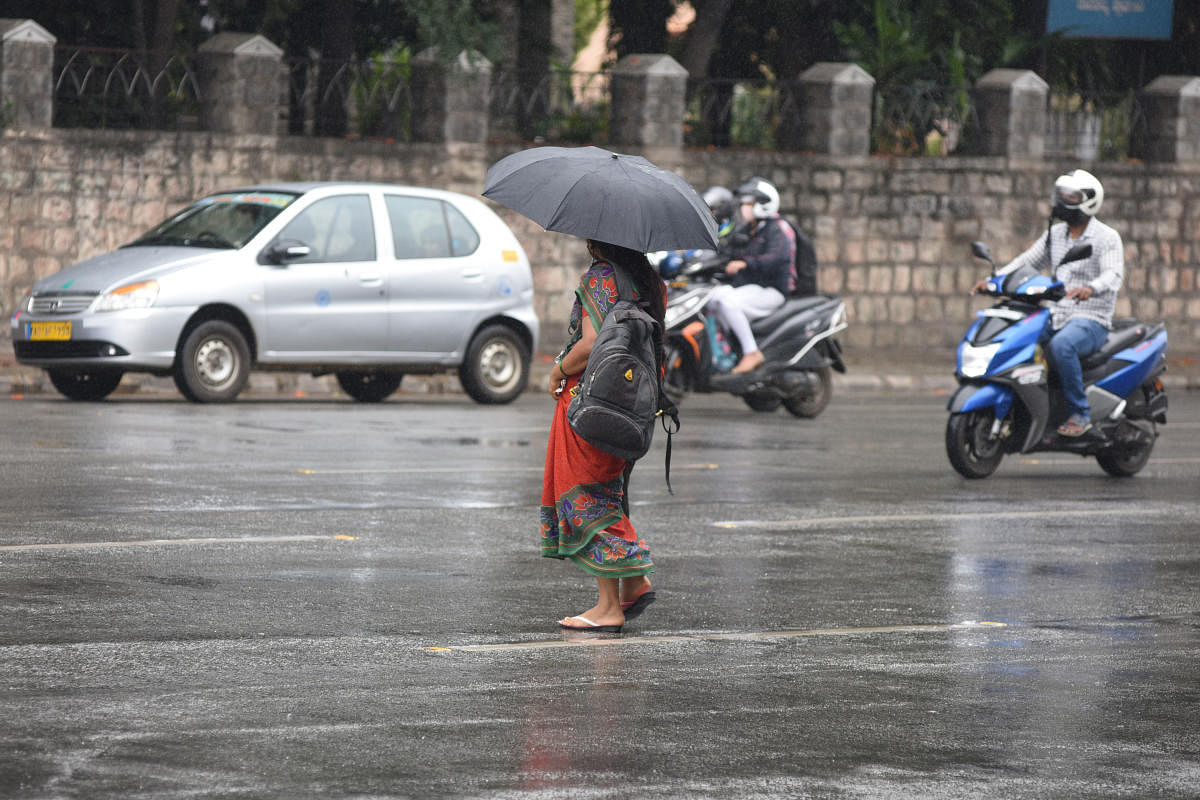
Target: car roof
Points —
{"points": [[304, 187]]}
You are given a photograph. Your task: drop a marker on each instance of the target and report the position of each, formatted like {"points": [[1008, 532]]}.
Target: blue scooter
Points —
{"points": [[1009, 402]]}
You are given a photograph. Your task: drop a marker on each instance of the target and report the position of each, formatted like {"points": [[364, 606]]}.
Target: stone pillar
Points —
{"points": [[648, 95], [26, 74], [450, 100], [1171, 107], [833, 114], [1011, 105], [241, 83]]}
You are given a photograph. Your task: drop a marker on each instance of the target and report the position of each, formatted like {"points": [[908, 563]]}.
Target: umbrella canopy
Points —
{"points": [[597, 194]]}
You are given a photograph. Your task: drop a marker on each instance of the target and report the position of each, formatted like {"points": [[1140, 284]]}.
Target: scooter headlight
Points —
{"points": [[973, 361]]}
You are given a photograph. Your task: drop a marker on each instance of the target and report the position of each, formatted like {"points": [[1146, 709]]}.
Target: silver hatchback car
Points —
{"points": [[365, 281]]}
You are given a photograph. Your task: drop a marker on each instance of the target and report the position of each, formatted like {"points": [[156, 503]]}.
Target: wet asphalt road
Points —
{"points": [[321, 599]]}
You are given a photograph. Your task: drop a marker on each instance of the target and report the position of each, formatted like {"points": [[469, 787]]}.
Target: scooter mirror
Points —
{"points": [[981, 250], [1077, 253]]}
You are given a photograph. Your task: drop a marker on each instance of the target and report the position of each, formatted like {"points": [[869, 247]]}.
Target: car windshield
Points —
{"points": [[223, 221]]}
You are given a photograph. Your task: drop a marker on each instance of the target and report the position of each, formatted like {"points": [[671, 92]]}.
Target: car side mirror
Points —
{"points": [[286, 250], [1077, 253]]}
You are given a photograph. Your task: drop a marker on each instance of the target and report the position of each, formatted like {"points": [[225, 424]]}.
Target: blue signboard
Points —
{"points": [[1111, 19]]}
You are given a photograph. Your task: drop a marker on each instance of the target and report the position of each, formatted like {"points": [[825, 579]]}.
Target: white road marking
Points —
{"points": [[895, 518], [594, 640], [26, 548]]}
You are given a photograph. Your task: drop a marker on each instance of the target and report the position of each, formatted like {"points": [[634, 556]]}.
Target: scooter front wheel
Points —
{"points": [[675, 380], [969, 444]]}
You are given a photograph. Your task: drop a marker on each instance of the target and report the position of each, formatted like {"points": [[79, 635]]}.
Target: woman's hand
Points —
{"points": [[576, 358], [557, 380]]}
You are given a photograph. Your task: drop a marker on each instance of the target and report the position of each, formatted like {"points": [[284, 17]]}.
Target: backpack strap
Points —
{"points": [[668, 412]]}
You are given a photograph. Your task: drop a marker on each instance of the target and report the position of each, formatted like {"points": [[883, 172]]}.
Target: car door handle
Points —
{"points": [[472, 274], [370, 279]]}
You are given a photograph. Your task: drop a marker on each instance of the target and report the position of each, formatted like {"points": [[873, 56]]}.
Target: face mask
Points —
{"points": [[1071, 216]]}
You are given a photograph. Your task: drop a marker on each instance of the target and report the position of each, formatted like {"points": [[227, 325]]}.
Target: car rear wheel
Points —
{"points": [[85, 384], [496, 368], [369, 386], [213, 364]]}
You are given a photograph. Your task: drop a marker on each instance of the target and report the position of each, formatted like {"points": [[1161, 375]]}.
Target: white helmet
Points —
{"points": [[720, 202], [1079, 190], [762, 194]]}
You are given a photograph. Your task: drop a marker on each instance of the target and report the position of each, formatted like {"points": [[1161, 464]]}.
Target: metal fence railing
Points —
{"points": [[1099, 127], [112, 88], [109, 88]]}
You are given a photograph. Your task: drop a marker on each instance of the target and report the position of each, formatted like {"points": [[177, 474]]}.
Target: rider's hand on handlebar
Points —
{"points": [[980, 286], [734, 267], [1079, 293]]}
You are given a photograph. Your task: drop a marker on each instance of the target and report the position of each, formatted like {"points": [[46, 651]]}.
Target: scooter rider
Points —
{"points": [[1080, 321], [721, 203], [761, 270]]}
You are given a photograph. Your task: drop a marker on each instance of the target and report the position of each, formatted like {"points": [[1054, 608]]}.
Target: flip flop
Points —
{"points": [[591, 627], [637, 606]]}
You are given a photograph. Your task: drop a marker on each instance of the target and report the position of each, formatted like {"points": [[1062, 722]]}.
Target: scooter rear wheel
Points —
{"points": [[1128, 454], [972, 451], [810, 404], [763, 402]]}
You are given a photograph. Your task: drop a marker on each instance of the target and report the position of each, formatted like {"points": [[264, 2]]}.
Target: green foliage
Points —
{"points": [[452, 26], [381, 98]]}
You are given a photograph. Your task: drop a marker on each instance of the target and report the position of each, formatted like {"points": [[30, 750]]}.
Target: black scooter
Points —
{"points": [[798, 342]]}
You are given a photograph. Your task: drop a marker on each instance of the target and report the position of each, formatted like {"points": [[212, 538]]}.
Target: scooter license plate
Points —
{"points": [[48, 331]]}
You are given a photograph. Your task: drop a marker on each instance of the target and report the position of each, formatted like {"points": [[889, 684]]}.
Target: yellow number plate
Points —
{"points": [[49, 331]]}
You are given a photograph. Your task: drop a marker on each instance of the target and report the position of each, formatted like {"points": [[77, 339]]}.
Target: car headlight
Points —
{"points": [[131, 295], [974, 361]]}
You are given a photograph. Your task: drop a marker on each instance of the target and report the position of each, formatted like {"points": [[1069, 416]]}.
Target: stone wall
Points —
{"points": [[892, 234]]}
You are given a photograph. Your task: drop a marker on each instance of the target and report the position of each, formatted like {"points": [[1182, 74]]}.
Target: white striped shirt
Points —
{"points": [[1104, 271]]}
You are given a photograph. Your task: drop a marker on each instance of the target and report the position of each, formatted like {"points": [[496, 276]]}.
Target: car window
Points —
{"points": [[335, 229], [221, 220], [464, 239], [423, 227]]}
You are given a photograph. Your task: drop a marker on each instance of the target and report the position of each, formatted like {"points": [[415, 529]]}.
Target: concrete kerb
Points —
{"points": [[894, 377]]}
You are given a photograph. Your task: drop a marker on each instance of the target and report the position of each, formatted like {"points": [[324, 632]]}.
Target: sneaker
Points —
{"points": [[1075, 426]]}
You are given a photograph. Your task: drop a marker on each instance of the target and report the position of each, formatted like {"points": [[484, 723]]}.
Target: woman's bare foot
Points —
{"points": [[598, 614], [632, 589], [749, 362]]}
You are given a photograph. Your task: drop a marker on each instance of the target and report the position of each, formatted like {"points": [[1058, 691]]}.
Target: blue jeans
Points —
{"points": [[1079, 338]]}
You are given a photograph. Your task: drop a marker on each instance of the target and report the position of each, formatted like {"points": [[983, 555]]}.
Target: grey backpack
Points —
{"points": [[620, 392]]}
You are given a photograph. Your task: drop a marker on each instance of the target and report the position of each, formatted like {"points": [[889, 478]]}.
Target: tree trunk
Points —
{"points": [[703, 35], [335, 71], [640, 24], [534, 48]]}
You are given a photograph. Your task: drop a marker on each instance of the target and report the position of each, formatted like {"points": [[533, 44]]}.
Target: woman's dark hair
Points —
{"points": [[644, 276]]}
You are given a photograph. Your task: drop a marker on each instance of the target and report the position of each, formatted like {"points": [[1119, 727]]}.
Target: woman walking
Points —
{"points": [[583, 509]]}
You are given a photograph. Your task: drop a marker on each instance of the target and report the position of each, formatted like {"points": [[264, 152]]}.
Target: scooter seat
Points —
{"points": [[1117, 341], [790, 308]]}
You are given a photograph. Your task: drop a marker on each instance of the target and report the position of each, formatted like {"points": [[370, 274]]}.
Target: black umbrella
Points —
{"points": [[597, 194]]}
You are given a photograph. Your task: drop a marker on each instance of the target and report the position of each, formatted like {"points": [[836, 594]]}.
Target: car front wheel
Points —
{"points": [[85, 384], [213, 364], [496, 368]]}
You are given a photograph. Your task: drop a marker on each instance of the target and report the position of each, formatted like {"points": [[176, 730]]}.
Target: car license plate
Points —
{"points": [[49, 331]]}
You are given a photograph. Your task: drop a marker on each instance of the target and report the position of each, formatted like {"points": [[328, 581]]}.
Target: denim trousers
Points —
{"points": [[1079, 338]]}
